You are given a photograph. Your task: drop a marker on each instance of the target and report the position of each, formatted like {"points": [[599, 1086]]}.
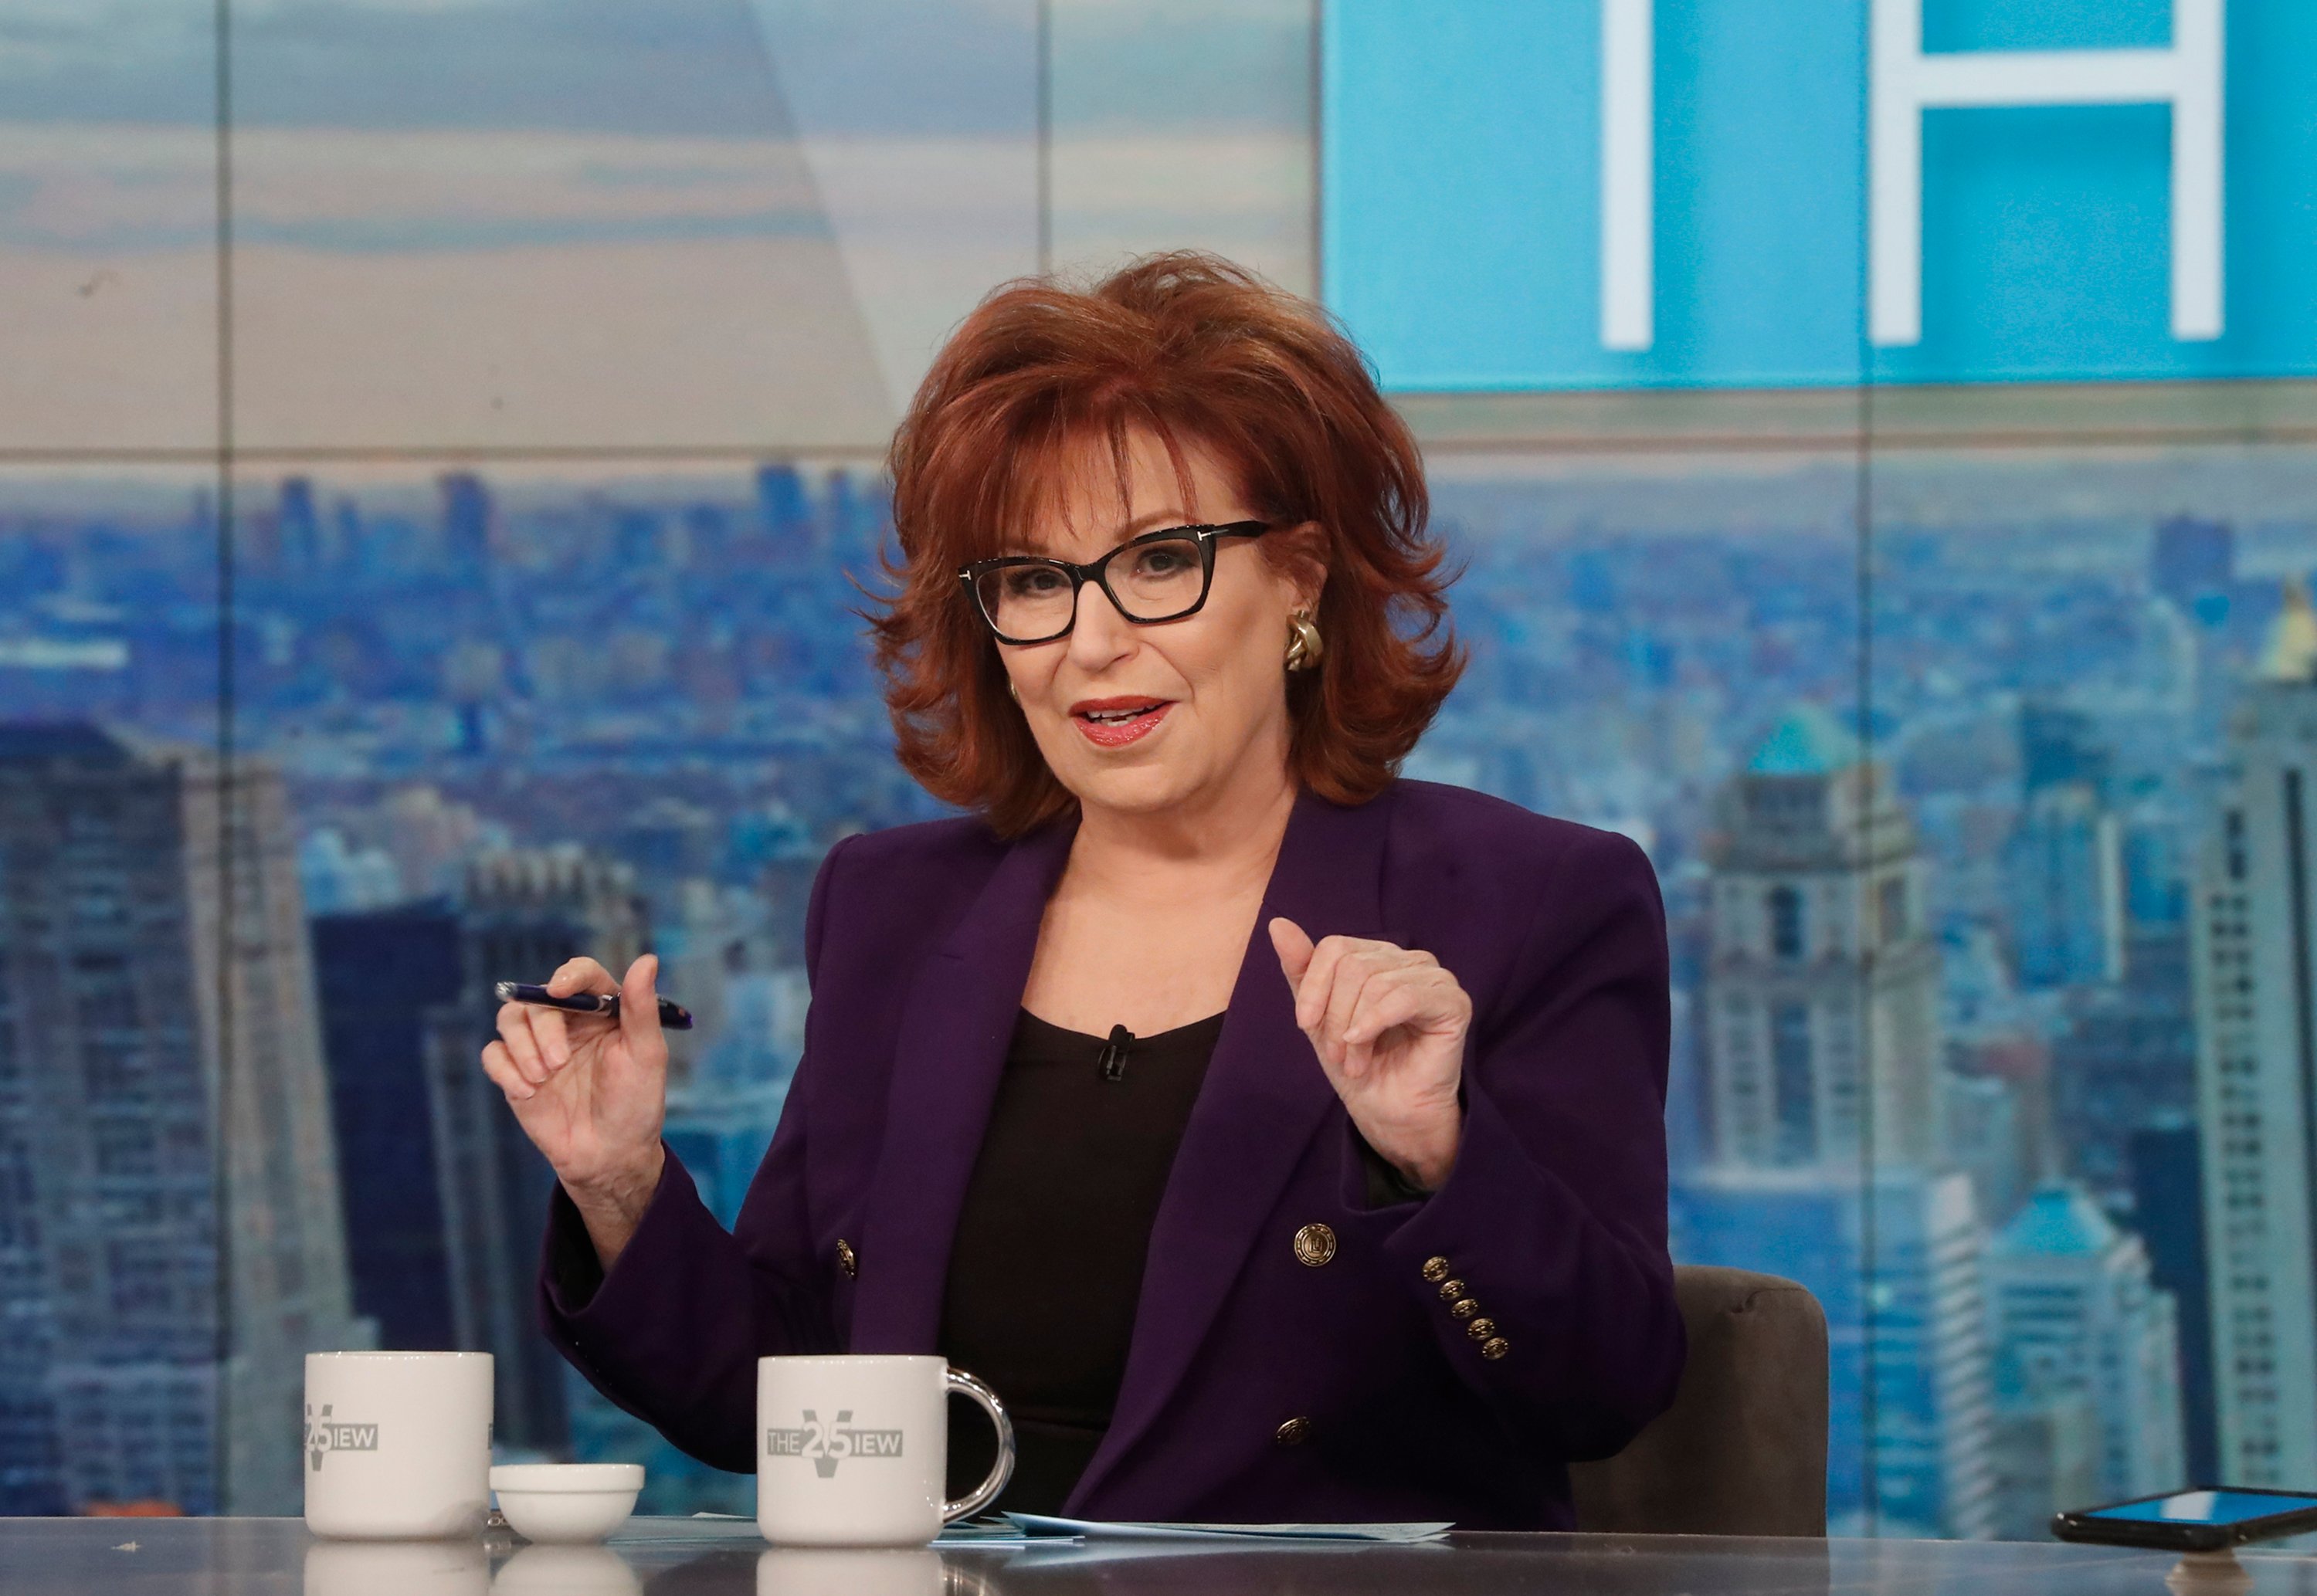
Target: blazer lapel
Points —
{"points": [[1264, 1098], [950, 1051]]}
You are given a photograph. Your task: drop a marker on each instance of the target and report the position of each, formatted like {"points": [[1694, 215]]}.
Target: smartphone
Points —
{"points": [[2193, 1521]]}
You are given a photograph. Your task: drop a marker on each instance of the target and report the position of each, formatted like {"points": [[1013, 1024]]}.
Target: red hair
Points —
{"points": [[1195, 349]]}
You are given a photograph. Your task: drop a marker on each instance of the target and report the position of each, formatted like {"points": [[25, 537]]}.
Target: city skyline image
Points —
{"points": [[1941, 991]]}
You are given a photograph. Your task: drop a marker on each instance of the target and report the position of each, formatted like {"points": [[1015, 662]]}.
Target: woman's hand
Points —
{"points": [[591, 1093], [1389, 1027]]}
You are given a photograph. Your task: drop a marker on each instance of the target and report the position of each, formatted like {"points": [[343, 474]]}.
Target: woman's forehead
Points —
{"points": [[1090, 490]]}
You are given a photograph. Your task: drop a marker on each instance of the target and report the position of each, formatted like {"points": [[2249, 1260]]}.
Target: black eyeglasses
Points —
{"points": [[1025, 598]]}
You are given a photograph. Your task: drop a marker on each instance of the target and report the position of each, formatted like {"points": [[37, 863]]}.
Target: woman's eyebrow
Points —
{"points": [[1148, 522], [1155, 521]]}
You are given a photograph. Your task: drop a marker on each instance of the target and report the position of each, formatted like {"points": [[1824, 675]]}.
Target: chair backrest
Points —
{"points": [[1742, 1449]]}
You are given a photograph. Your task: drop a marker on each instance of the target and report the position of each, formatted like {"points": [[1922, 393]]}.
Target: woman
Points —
{"points": [[1283, 1141]]}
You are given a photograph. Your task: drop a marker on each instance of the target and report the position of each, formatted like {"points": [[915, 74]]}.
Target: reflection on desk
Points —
{"points": [[203, 1557]]}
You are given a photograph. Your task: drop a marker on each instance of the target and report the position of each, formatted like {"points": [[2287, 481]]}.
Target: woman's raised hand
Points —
{"points": [[591, 1092], [1389, 1027]]}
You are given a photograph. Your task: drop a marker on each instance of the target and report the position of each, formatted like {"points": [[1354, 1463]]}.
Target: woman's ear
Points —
{"points": [[1307, 570]]}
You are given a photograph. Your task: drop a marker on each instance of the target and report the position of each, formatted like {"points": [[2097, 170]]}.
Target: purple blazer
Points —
{"points": [[918, 943]]}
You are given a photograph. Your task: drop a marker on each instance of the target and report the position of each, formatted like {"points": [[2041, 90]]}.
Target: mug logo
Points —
{"points": [[830, 1444], [324, 1435]]}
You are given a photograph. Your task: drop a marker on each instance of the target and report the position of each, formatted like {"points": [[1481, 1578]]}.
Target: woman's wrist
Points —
{"points": [[612, 1202], [1425, 1156]]}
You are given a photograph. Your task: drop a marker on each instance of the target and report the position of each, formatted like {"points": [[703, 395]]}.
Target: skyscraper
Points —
{"points": [[2065, 863], [300, 527], [467, 520], [170, 1234], [785, 511], [2066, 876], [2127, 1060], [385, 976], [1822, 1045], [1820, 977], [2254, 931], [2073, 1311], [1894, 1260], [2169, 1209], [2190, 556], [2062, 747], [522, 912]]}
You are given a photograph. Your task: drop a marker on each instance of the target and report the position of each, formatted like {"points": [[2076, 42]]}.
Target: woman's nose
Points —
{"points": [[1098, 633]]}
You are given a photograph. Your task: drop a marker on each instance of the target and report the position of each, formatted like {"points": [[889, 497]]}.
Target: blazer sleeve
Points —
{"points": [[672, 1331], [1553, 1218]]}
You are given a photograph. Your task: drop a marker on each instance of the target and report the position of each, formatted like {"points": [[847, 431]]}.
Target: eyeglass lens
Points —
{"points": [[1154, 580]]}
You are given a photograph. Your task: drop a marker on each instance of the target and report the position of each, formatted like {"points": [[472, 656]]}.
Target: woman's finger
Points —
{"points": [[1356, 1042], [1325, 1029], [499, 1063], [1315, 993], [547, 1025], [580, 974], [1318, 976], [521, 1045], [1413, 995], [1359, 967], [1390, 1000]]}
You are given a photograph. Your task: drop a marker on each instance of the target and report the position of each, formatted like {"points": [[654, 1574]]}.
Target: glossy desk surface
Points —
{"points": [[225, 1556]]}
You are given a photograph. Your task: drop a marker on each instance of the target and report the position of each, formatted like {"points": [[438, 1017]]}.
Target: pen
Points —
{"points": [[673, 1016]]}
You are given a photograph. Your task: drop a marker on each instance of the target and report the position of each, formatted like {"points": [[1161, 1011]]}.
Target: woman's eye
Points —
{"points": [[1164, 561], [1034, 581]]}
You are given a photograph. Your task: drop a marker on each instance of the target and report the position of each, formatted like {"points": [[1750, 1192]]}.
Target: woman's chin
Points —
{"points": [[1152, 788]]}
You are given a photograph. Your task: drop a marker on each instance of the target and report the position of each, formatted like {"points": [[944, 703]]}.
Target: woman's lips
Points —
{"points": [[1115, 730]]}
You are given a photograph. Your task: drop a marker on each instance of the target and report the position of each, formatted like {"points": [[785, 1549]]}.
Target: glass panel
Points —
{"points": [[108, 225], [1668, 646], [919, 123], [2091, 676], [1183, 127], [111, 1266], [506, 226], [2092, 671], [520, 715]]}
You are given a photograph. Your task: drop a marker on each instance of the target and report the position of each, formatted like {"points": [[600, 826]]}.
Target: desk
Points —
{"points": [[277, 1558]]}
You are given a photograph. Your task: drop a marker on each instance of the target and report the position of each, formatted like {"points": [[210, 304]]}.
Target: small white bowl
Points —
{"points": [[567, 1503]]}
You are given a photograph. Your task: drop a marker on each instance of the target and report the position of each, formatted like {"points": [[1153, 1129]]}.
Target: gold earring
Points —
{"points": [[1012, 691], [1304, 646]]}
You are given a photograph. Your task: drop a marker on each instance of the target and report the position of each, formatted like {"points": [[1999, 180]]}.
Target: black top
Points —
{"points": [[1047, 1264]]}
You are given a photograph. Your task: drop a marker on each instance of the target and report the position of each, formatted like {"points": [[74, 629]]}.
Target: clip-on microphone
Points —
{"points": [[1113, 1057]]}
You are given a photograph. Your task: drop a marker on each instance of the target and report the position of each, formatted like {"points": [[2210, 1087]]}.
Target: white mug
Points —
{"points": [[851, 1450], [397, 1445]]}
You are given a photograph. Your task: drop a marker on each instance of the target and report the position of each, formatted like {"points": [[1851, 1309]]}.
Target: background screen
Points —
{"points": [[439, 443]]}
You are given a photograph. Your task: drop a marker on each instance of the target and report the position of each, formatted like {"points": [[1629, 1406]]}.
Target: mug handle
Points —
{"points": [[959, 1383]]}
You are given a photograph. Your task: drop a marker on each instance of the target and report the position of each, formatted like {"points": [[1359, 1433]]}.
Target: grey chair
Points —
{"points": [[1742, 1449]]}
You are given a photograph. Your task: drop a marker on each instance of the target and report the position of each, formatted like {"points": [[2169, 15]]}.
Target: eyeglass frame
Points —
{"points": [[1097, 572]]}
